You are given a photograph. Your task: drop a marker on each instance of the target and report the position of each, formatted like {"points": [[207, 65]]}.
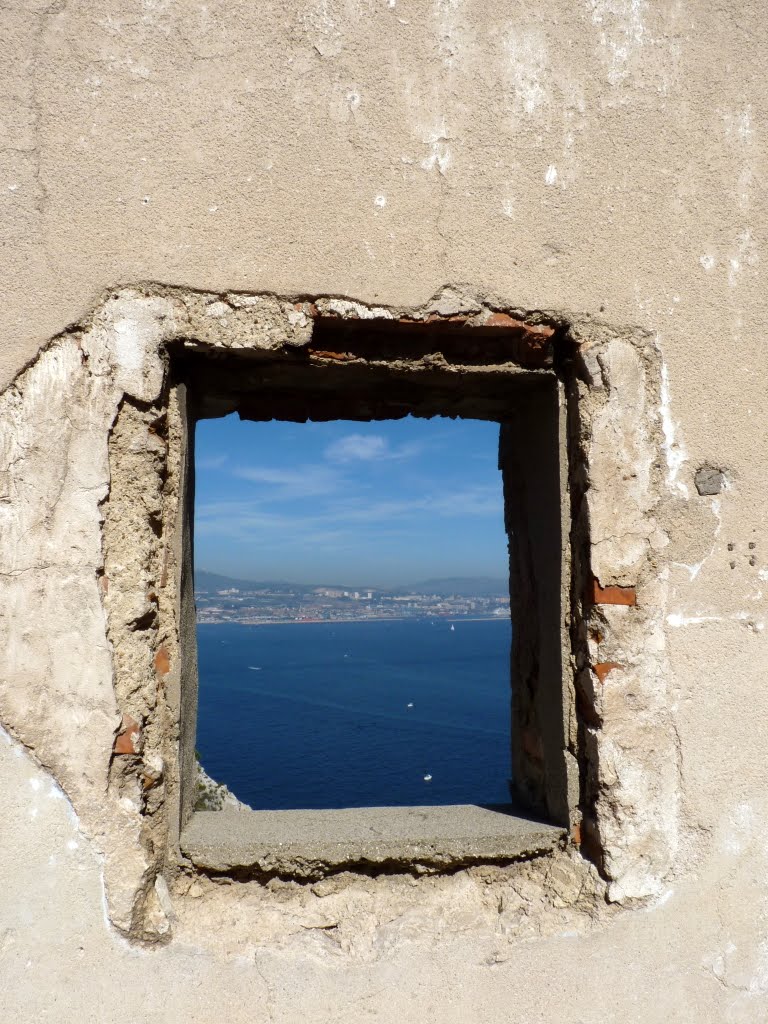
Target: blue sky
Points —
{"points": [[385, 503]]}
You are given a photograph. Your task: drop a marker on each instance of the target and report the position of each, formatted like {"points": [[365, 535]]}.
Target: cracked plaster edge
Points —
{"points": [[63, 405], [585, 330], [121, 335], [639, 811], [34, 764]]}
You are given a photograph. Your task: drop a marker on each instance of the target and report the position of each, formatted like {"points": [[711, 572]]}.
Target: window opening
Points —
{"points": [[374, 371], [353, 613]]}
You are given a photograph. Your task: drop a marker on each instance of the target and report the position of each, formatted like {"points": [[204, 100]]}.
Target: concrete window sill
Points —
{"points": [[308, 844]]}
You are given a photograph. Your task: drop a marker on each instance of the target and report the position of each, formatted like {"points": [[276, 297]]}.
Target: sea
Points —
{"points": [[354, 714]]}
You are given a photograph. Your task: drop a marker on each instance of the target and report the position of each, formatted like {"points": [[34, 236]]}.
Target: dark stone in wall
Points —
{"points": [[709, 480]]}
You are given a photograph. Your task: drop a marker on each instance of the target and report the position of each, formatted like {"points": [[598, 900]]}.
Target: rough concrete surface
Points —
{"points": [[290, 842], [597, 166]]}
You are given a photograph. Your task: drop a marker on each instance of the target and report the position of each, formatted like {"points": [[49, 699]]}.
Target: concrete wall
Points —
{"points": [[602, 162]]}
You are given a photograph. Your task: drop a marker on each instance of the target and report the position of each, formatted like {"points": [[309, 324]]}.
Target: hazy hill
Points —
{"points": [[209, 581], [464, 586]]}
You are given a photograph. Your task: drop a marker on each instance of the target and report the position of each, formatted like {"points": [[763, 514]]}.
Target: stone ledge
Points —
{"points": [[309, 844]]}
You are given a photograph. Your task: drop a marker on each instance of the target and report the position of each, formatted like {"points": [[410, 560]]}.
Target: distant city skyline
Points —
{"points": [[385, 504]]}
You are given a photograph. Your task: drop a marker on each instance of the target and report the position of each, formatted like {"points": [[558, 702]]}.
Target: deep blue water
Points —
{"points": [[318, 715]]}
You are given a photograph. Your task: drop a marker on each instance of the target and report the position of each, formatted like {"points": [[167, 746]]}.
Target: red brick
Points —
{"points": [[538, 332], [162, 662], [612, 594], [434, 318], [128, 739], [342, 357], [602, 668], [308, 308]]}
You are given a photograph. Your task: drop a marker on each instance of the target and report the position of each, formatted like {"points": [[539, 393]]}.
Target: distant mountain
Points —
{"points": [[462, 586], [208, 581], [213, 581]]}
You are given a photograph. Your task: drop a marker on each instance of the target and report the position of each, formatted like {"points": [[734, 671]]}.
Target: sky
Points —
{"points": [[380, 504]]}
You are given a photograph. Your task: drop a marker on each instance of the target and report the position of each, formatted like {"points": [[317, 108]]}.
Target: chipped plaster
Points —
{"points": [[110, 397]]}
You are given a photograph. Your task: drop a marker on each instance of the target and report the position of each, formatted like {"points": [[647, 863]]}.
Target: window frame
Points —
{"points": [[380, 369]]}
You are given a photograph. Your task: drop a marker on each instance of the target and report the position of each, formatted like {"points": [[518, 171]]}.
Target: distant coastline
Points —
{"points": [[265, 604], [345, 622]]}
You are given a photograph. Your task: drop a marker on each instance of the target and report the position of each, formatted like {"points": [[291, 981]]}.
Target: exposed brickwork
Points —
{"points": [[162, 662], [484, 338], [612, 594], [532, 343], [602, 668], [308, 308], [535, 332], [435, 318], [128, 740], [342, 357]]}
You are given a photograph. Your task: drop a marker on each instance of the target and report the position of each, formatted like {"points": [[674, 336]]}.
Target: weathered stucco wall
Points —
{"points": [[602, 162]]}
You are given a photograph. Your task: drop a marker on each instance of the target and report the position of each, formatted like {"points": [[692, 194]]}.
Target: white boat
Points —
{"points": [[427, 778]]}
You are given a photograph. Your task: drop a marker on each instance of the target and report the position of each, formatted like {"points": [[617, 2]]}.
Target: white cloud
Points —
{"points": [[470, 503], [368, 447], [284, 484], [354, 447], [337, 519]]}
